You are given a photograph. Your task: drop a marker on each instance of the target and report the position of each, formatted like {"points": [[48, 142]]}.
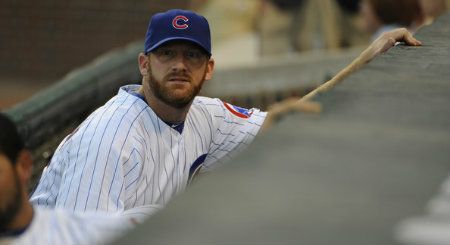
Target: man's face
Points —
{"points": [[176, 72], [10, 193]]}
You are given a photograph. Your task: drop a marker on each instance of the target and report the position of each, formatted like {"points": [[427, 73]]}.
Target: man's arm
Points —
{"points": [[284, 107], [379, 46]]}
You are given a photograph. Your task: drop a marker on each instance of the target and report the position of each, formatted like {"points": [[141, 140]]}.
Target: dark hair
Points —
{"points": [[10, 141], [350, 6], [287, 5], [400, 12]]}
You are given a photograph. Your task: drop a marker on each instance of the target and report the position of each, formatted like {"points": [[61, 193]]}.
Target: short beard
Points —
{"points": [[12, 208], [166, 95]]}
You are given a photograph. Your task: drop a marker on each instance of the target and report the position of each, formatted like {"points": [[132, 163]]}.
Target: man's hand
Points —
{"points": [[380, 45], [386, 41], [284, 107]]}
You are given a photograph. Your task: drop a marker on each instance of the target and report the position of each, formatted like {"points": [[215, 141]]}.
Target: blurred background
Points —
{"points": [[42, 41], [377, 147], [61, 60]]}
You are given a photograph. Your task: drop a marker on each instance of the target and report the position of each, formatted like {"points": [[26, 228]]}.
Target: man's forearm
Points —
{"points": [[282, 108], [380, 45]]}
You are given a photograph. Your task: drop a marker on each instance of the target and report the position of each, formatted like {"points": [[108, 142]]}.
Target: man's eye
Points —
{"points": [[167, 52], [164, 52], [194, 54]]}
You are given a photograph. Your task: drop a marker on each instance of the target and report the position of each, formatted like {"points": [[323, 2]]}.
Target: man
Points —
{"points": [[147, 143], [21, 223]]}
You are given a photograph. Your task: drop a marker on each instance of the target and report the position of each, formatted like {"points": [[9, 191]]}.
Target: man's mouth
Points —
{"points": [[179, 79]]}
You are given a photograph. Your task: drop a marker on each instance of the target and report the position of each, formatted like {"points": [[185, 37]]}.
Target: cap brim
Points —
{"points": [[173, 39]]}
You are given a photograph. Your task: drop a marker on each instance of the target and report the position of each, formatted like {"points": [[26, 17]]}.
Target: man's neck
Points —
{"points": [[165, 112]]}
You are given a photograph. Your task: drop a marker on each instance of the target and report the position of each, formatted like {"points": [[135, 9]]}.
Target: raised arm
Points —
{"points": [[380, 45]]}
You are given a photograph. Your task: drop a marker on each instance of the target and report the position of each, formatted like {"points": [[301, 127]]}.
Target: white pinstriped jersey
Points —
{"points": [[123, 155], [55, 227]]}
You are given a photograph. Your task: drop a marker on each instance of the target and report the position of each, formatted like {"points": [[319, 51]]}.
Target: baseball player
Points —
{"points": [[21, 223], [145, 144]]}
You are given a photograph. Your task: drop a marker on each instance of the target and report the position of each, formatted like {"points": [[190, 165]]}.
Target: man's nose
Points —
{"points": [[179, 63]]}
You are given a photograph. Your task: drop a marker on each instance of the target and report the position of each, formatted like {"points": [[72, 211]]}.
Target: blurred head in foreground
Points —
{"points": [[384, 15], [432, 9], [15, 172]]}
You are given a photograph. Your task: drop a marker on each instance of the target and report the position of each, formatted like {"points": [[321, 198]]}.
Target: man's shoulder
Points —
{"points": [[207, 102], [123, 105], [204, 99], [121, 111]]}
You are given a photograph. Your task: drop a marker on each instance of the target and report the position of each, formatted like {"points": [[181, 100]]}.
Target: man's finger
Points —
{"points": [[408, 38]]}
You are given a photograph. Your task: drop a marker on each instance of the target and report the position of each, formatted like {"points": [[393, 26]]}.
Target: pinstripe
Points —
{"points": [[85, 161], [134, 166], [118, 198], [251, 134], [173, 157], [109, 151], [219, 149], [211, 104], [107, 156], [176, 169], [53, 182], [198, 134], [66, 165], [155, 164], [135, 199], [248, 133], [227, 121], [214, 150], [226, 134], [186, 166], [145, 192], [259, 125], [44, 182], [76, 160], [132, 182], [159, 163], [118, 158], [206, 116], [147, 159], [153, 159], [180, 170]]}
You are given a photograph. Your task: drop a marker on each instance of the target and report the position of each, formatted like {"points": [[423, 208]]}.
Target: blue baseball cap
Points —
{"points": [[177, 24]]}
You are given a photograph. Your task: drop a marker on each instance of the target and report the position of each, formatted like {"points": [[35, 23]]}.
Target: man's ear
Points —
{"points": [[24, 166], [209, 69], [144, 64]]}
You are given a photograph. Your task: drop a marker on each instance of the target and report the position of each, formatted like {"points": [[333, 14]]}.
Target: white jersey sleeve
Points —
{"points": [[233, 128], [100, 161], [46, 192]]}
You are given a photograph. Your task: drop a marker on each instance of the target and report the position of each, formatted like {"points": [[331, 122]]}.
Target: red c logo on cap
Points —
{"points": [[177, 20]]}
